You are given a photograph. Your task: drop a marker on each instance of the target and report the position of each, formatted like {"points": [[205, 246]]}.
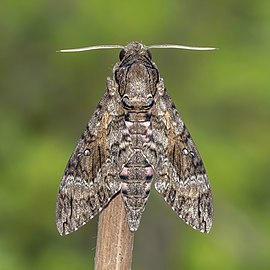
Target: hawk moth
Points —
{"points": [[134, 138]]}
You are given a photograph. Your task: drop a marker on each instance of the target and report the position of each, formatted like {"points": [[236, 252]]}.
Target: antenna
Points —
{"points": [[97, 47], [172, 46], [164, 46]]}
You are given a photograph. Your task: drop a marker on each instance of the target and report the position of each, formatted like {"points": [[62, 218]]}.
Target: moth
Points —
{"points": [[134, 139]]}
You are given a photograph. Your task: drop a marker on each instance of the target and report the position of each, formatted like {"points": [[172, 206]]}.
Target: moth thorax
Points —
{"points": [[138, 87], [137, 80]]}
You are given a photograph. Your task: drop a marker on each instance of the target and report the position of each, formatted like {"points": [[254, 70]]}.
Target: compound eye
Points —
{"points": [[122, 54]]}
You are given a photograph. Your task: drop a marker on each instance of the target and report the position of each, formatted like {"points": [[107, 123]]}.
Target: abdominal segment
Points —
{"points": [[137, 174]]}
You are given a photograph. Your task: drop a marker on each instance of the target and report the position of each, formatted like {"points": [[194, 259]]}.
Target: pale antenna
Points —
{"points": [[183, 47], [97, 47], [164, 46]]}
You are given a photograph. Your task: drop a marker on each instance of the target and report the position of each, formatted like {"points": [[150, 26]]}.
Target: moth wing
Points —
{"points": [[184, 182], [89, 180]]}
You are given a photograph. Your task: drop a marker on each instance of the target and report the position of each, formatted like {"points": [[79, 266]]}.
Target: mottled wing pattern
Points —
{"points": [[89, 180], [182, 179]]}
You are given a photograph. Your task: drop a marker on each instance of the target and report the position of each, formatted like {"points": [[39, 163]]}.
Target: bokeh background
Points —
{"points": [[223, 96]]}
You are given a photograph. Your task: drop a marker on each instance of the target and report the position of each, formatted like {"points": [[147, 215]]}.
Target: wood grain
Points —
{"points": [[114, 239]]}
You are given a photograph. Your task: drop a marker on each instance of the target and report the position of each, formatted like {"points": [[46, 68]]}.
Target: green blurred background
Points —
{"points": [[223, 96]]}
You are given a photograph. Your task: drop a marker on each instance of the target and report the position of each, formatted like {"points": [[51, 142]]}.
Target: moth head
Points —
{"points": [[135, 49]]}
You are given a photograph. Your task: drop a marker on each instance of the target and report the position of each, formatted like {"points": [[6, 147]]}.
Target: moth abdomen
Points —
{"points": [[137, 173]]}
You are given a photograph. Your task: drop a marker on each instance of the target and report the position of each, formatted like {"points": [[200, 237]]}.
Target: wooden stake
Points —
{"points": [[114, 239]]}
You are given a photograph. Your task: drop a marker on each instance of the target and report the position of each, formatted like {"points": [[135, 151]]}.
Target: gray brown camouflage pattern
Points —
{"points": [[134, 138]]}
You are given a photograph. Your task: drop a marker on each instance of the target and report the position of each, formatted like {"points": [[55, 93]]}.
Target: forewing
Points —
{"points": [[89, 180], [183, 180]]}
